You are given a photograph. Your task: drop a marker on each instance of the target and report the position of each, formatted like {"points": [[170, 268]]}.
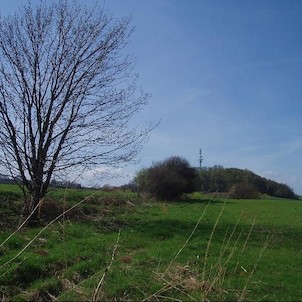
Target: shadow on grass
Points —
{"points": [[162, 229], [191, 200]]}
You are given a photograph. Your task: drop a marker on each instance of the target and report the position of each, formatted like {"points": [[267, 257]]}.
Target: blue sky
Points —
{"points": [[225, 76]]}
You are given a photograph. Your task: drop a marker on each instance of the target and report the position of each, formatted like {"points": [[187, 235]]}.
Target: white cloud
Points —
{"points": [[100, 176], [294, 181]]}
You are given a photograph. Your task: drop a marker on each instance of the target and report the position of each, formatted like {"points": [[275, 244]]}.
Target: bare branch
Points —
{"points": [[67, 92]]}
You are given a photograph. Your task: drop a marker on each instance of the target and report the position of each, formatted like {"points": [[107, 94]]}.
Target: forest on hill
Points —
{"points": [[241, 183], [172, 177]]}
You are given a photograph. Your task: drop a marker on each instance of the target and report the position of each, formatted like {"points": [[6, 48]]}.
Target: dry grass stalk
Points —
{"points": [[191, 235], [40, 232], [217, 277], [225, 247], [13, 267], [168, 298], [249, 234], [209, 281], [101, 282], [77, 286], [177, 281], [210, 240], [22, 224], [180, 284], [233, 248], [242, 296]]}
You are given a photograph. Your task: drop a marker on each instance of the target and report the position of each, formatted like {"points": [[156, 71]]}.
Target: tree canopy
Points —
{"points": [[222, 179]]}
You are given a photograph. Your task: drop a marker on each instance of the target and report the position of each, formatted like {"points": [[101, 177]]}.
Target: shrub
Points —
{"points": [[168, 179], [244, 191], [141, 180]]}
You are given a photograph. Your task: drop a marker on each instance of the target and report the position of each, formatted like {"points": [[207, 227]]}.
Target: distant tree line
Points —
{"points": [[171, 178], [6, 179], [241, 183], [65, 184]]}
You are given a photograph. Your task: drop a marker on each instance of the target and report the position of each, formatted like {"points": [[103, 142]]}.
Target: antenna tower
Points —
{"points": [[200, 159]]}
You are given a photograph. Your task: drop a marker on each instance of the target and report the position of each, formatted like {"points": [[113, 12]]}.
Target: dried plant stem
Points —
{"points": [[22, 224], [63, 228], [223, 249], [47, 226], [222, 269], [79, 284], [241, 298], [230, 237], [101, 282], [171, 285], [249, 234], [13, 267], [210, 240], [191, 235], [169, 298], [166, 288], [156, 294]]}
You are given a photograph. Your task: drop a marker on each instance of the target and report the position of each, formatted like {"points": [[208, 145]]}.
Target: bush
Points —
{"points": [[168, 179], [141, 181], [244, 191]]}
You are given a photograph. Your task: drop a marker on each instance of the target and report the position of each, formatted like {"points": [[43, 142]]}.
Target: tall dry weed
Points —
{"points": [[209, 283]]}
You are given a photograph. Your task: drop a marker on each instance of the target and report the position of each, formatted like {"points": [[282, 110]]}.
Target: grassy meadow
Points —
{"points": [[119, 246]]}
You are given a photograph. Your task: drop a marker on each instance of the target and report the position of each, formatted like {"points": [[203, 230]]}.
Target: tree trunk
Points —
{"points": [[31, 213]]}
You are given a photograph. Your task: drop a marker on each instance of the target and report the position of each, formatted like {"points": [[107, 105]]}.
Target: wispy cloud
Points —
{"points": [[99, 176]]}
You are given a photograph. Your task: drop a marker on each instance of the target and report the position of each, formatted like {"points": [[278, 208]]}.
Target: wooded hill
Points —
{"points": [[241, 183]]}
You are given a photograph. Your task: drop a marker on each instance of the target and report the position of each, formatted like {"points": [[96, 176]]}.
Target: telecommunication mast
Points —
{"points": [[200, 159]]}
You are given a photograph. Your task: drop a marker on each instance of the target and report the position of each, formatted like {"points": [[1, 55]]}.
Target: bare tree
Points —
{"points": [[67, 94]]}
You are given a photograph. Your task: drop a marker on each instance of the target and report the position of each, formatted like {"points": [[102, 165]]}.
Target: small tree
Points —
{"points": [[169, 179], [67, 94], [142, 181]]}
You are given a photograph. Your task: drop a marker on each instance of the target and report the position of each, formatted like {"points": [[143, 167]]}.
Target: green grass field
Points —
{"points": [[134, 249]]}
